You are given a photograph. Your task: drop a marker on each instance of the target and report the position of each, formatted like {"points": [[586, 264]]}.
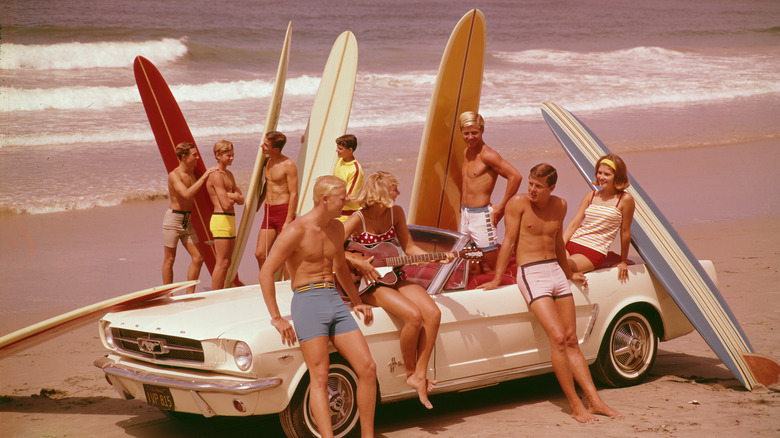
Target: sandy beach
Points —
{"points": [[53, 390]]}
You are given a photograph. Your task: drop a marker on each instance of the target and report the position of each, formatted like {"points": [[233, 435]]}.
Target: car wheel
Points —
{"points": [[628, 350], [297, 420]]}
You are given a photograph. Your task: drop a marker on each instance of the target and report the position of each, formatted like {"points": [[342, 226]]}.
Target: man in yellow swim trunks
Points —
{"points": [[224, 194]]}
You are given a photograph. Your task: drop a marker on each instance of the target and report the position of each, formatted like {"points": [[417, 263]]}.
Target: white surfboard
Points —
{"points": [[257, 182], [43, 331], [328, 119]]}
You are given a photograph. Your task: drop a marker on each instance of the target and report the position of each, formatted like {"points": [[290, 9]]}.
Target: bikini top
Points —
{"points": [[370, 239], [600, 226]]}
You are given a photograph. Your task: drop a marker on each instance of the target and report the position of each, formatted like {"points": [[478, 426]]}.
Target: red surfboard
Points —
{"points": [[170, 128]]}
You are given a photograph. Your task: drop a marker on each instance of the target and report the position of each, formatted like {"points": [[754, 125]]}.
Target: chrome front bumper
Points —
{"points": [[115, 371]]}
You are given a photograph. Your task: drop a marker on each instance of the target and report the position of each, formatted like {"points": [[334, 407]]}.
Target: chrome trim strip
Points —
{"points": [[111, 368]]}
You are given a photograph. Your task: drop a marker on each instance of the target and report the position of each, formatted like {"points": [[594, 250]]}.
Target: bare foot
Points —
{"points": [[421, 386], [603, 409], [431, 385], [583, 416]]}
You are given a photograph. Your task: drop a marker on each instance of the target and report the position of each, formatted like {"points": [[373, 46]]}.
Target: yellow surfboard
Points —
{"points": [[257, 182], [43, 331], [328, 119], [437, 181]]}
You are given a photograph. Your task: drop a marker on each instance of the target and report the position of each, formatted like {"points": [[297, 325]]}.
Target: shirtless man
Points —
{"points": [[534, 229], [224, 193], [182, 187], [481, 168], [281, 194], [312, 246]]}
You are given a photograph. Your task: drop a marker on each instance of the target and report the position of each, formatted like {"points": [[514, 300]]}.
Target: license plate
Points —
{"points": [[159, 396]]}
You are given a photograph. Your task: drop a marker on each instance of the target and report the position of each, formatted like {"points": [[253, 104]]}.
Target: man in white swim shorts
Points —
{"points": [[534, 231], [481, 168]]}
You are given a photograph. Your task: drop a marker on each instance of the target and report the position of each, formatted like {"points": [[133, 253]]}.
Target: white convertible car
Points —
{"points": [[216, 353]]}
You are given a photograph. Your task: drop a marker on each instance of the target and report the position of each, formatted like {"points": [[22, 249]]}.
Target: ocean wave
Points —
{"points": [[102, 97], [72, 203], [75, 55]]}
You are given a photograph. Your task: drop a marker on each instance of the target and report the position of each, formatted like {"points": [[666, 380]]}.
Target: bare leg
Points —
{"points": [[224, 248], [193, 273], [265, 240], [431, 320], [402, 307], [489, 261], [580, 263], [353, 347], [169, 258], [546, 312], [315, 353], [577, 363]]}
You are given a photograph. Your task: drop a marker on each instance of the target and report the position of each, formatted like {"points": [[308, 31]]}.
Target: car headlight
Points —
{"points": [[107, 335], [242, 354]]}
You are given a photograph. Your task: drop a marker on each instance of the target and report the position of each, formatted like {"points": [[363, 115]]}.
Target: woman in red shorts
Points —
{"points": [[601, 215]]}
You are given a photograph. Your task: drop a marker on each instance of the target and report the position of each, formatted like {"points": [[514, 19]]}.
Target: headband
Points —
{"points": [[609, 163]]}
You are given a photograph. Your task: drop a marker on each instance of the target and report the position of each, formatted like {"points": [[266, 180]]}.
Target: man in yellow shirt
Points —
{"points": [[349, 170]]}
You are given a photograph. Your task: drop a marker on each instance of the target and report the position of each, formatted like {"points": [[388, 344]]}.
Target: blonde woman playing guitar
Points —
{"points": [[380, 220]]}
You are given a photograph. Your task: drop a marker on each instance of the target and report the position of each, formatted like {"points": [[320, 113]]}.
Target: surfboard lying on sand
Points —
{"points": [[170, 128], [257, 182], [670, 260], [328, 119], [437, 180], [43, 331]]}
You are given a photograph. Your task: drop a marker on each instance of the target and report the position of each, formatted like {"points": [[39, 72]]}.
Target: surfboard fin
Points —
{"points": [[765, 369]]}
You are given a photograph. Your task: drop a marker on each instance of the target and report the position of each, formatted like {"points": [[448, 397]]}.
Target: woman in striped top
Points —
{"points": [[602, 213]]}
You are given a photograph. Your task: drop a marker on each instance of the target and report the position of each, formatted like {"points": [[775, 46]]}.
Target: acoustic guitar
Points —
{"points": [[388, 256]]}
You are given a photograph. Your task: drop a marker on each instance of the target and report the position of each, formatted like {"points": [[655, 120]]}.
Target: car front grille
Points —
{"points": [[157, 346]]}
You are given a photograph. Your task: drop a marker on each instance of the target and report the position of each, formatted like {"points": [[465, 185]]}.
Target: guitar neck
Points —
{"points": [[412, 259]]}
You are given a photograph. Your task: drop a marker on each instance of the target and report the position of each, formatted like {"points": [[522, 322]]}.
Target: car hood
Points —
{"points": [[234, 313]]}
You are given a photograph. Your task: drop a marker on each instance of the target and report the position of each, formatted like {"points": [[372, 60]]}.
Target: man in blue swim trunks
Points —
{"points": [[312, 247], [534, 229]]}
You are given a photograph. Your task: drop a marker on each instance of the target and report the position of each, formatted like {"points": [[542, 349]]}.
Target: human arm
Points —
{"points": [[405, 237], [283, 248], [236, 195], [291, 174], [627, 208], [560, 250], [181, 189], [514, 215], [217, 182], [341, 271], [576, 221], [513, 179]]}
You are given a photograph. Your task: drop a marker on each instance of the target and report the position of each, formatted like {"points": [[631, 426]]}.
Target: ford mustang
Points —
{"points": [[216, 353]]}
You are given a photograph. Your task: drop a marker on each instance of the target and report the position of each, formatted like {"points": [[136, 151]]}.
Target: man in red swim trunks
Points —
{"points": [[281, 194]]}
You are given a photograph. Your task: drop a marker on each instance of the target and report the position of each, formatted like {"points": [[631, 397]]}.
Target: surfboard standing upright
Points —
{"points": [[170, 128], [256, 183], [670, 260], [328, 119], [435, 198]]}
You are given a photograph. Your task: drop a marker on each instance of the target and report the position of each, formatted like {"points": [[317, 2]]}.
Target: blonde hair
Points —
{"points": [[470, 118], [376, 190], [621, 172], [324, 185], [222, 146]]}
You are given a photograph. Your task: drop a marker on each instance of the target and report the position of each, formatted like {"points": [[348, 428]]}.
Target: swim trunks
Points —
{"points": [[542, 279], [591, 254], [223, 225], [476, 223], [176, 226], [275, 215], [318, 310]]}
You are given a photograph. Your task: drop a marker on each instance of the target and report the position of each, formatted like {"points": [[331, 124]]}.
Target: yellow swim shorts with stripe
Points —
{"points": [[223, 225]]}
